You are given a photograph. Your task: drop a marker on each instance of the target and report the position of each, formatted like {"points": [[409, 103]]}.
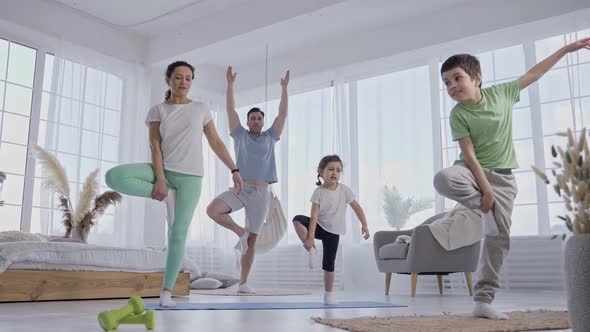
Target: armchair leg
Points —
{"points": [[414, 282], [469, 283], [440, 283], [387, 282]]}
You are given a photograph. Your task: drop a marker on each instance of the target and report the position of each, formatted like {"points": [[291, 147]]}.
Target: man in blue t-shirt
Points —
{"points": [[255, 159]]}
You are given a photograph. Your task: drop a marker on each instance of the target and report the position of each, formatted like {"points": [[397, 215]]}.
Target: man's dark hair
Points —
{"points": [[254, 110]]}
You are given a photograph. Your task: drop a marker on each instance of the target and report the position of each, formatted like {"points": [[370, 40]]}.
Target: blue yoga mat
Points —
{"points": [[272, 305]]}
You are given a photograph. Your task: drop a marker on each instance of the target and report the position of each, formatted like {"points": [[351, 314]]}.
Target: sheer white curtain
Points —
{"points": [[382, 128], [130, 214], [564, 95], [318, 126], [85, 105], [209, 87], [208, 243], [204, 231], [395, 142], [371, 125], [394, 148]]}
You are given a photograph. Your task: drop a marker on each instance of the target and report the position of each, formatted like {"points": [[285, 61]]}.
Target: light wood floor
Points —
{"points": [[81, 315]]}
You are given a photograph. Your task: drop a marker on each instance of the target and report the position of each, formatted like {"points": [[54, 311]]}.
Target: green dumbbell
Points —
{"points": [[109, 320], [148, 319]]}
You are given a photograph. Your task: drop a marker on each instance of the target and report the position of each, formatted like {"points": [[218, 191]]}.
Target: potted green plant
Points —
{"points": [[571, 181]]}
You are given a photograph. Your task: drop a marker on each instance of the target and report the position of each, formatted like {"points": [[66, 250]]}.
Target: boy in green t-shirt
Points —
{"points": [[482, 178]]}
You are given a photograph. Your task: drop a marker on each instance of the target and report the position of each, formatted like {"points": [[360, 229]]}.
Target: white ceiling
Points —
{"points": [[316, 33], [215, 30], [325, 24], [146, 16]]}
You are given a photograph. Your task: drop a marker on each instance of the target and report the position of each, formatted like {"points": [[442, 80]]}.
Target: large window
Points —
{"points": [[310, 129], [203, 229], [565, 103], [391, 142], [17, 71], [311, 136], [79, 123], [395, 146]]}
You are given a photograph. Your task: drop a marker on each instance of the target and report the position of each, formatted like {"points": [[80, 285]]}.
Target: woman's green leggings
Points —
{"points": [[138, 180]]}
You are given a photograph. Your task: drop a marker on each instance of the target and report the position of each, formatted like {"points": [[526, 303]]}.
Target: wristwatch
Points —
{"points": [[235, 170]]}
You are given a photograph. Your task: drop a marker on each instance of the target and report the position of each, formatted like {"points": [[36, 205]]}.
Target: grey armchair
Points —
{"points": [[423, 256]]}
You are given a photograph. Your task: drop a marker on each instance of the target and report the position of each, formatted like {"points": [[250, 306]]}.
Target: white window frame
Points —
{"points": [[35, 118]]}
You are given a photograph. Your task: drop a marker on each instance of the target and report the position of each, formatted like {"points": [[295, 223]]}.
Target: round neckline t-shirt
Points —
{"points": [[181, 130], [489, 124], [333, 203]]}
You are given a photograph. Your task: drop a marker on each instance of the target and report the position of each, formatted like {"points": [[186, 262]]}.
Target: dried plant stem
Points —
{"points": [[572, 180]]}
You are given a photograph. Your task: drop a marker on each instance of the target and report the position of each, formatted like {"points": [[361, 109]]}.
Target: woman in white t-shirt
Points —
{"points": [[176, 128], [328, 218]]}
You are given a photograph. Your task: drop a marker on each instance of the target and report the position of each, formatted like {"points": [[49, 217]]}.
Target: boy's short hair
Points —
{"points": [[467, 62], [254, 110]]}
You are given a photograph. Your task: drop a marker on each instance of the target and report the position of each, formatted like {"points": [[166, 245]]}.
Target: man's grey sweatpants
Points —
{"points": [[459, 184]]}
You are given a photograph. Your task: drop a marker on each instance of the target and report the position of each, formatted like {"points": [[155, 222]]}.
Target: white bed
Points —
{"points": [[37, 270]]}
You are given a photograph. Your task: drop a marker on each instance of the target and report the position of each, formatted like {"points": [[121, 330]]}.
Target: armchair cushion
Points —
{"points": [[395, 250]]}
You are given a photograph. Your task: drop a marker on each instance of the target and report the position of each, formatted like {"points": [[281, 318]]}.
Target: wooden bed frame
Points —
{"points": [[36, 285]]}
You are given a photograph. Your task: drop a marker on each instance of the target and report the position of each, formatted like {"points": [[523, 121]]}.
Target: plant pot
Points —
{"points": [[76, 235], [577, 280]]}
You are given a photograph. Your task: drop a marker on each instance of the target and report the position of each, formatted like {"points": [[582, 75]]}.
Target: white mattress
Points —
{"points": [[83, 257], [70, 267]]}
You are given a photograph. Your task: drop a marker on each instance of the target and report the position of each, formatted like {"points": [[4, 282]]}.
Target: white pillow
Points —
{"points": [[226, 280], [17, 236], [205, 283]]}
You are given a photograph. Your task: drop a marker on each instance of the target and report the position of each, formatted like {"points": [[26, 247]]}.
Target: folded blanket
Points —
{"points": [[460, 227], [403, 239]]}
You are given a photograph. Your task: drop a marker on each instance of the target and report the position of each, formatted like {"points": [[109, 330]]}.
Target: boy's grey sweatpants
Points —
{"points": [[459, 184]]}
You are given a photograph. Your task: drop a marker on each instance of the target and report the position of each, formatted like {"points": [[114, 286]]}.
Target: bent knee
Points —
{"points": [[217, 207], [299, 218], [213, 211], [112, 178], [441, 180]]}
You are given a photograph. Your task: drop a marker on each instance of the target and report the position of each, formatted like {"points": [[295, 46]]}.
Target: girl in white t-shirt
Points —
{"points": [[176, 128], [328, 218]]}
